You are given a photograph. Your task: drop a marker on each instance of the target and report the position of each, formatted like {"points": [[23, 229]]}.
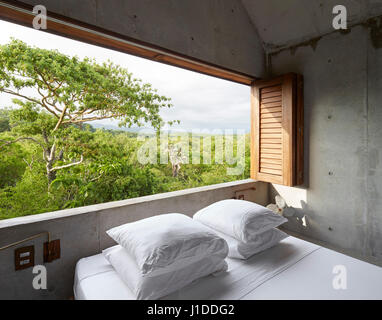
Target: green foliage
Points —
{"points": [[52, 159], [28, 196], [29, 119], [4, 120], [112, 172], [70, 92], [77, 90], [12, 165]]}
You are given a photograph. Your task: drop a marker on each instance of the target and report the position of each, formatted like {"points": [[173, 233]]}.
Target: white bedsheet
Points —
{"points": [[293, 269], [312, 278]]}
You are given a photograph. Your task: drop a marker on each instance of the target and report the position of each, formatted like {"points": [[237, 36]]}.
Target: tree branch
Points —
{"points": [[82, 113], [69, 165], [29, 99], [20, 95], [29, 164], [45, 100], [22, 138], [93, 118], [95, 179], [52, 153], [60, 119]]}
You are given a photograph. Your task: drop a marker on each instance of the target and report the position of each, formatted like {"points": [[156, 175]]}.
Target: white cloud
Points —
{"points": [[199, 101]]}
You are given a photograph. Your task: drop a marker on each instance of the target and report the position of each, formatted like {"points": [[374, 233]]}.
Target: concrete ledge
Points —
{"points": [[117, 204]]}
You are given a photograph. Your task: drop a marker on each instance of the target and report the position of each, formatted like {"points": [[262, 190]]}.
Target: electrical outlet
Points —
{"points": [[240, 195], [24, 257], [244, 194], [52, 250]]}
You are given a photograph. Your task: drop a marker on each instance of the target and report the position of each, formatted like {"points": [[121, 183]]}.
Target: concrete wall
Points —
{"points": [[283, 23], [342, 198], [82, 233], [215, 31]]}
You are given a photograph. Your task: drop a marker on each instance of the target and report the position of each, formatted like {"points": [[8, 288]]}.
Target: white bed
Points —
{"points": [[293, 269]]}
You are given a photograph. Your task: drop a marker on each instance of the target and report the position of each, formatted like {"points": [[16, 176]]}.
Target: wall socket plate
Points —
{"points": [[24, 257], [52, 250], [243, 194]]}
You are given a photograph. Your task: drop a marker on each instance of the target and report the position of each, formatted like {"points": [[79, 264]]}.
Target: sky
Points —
{"points": [[199, 101]]}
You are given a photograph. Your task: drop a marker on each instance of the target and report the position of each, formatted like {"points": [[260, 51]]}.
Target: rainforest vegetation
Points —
{"points": [[53, 158]]}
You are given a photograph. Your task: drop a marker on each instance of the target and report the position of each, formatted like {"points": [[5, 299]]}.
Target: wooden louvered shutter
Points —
{"points": [[277, 130]]}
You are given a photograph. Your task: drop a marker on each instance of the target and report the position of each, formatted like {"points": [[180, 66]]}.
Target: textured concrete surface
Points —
{"points": [[282, 23], [343, 141], [82, 233], [214, 31]]}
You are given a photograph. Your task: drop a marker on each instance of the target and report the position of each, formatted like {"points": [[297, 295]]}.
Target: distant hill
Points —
{"points": [[115, 128], [149, 131]]}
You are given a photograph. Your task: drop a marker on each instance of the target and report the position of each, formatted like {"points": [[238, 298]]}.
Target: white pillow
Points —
{"points": [[240, 219], [167, 241], [161, 285], [262, 241]]}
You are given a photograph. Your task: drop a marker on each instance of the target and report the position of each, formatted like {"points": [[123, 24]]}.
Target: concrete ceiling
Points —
{"points": [[283, 23]]}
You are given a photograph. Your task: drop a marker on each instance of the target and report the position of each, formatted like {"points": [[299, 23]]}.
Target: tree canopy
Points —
{"points": [[76, 91], [69, 92]]}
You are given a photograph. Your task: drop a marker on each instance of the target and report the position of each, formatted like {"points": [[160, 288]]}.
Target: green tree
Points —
{"points": [[71, 92], [4, 120], [12, 165]]}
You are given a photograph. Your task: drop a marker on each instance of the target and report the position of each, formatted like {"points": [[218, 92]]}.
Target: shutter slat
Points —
{"points": [[271, 171], [270, 125], [270, 151], [272, 120], [271, 131], [274, 135], [271, 146], [266, 115], [266, 101], [271, 94], [271, 161], [265, 155], [272, 143], [271, 105], [271, 89], [271, 110], [267, 165]]}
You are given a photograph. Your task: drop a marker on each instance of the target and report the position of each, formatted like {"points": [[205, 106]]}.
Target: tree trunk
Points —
{"points": [[49, 173], [49, 159], [175, 170]]}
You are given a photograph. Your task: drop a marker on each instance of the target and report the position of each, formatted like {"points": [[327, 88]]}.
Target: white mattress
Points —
{"points": [[294, 269]]}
